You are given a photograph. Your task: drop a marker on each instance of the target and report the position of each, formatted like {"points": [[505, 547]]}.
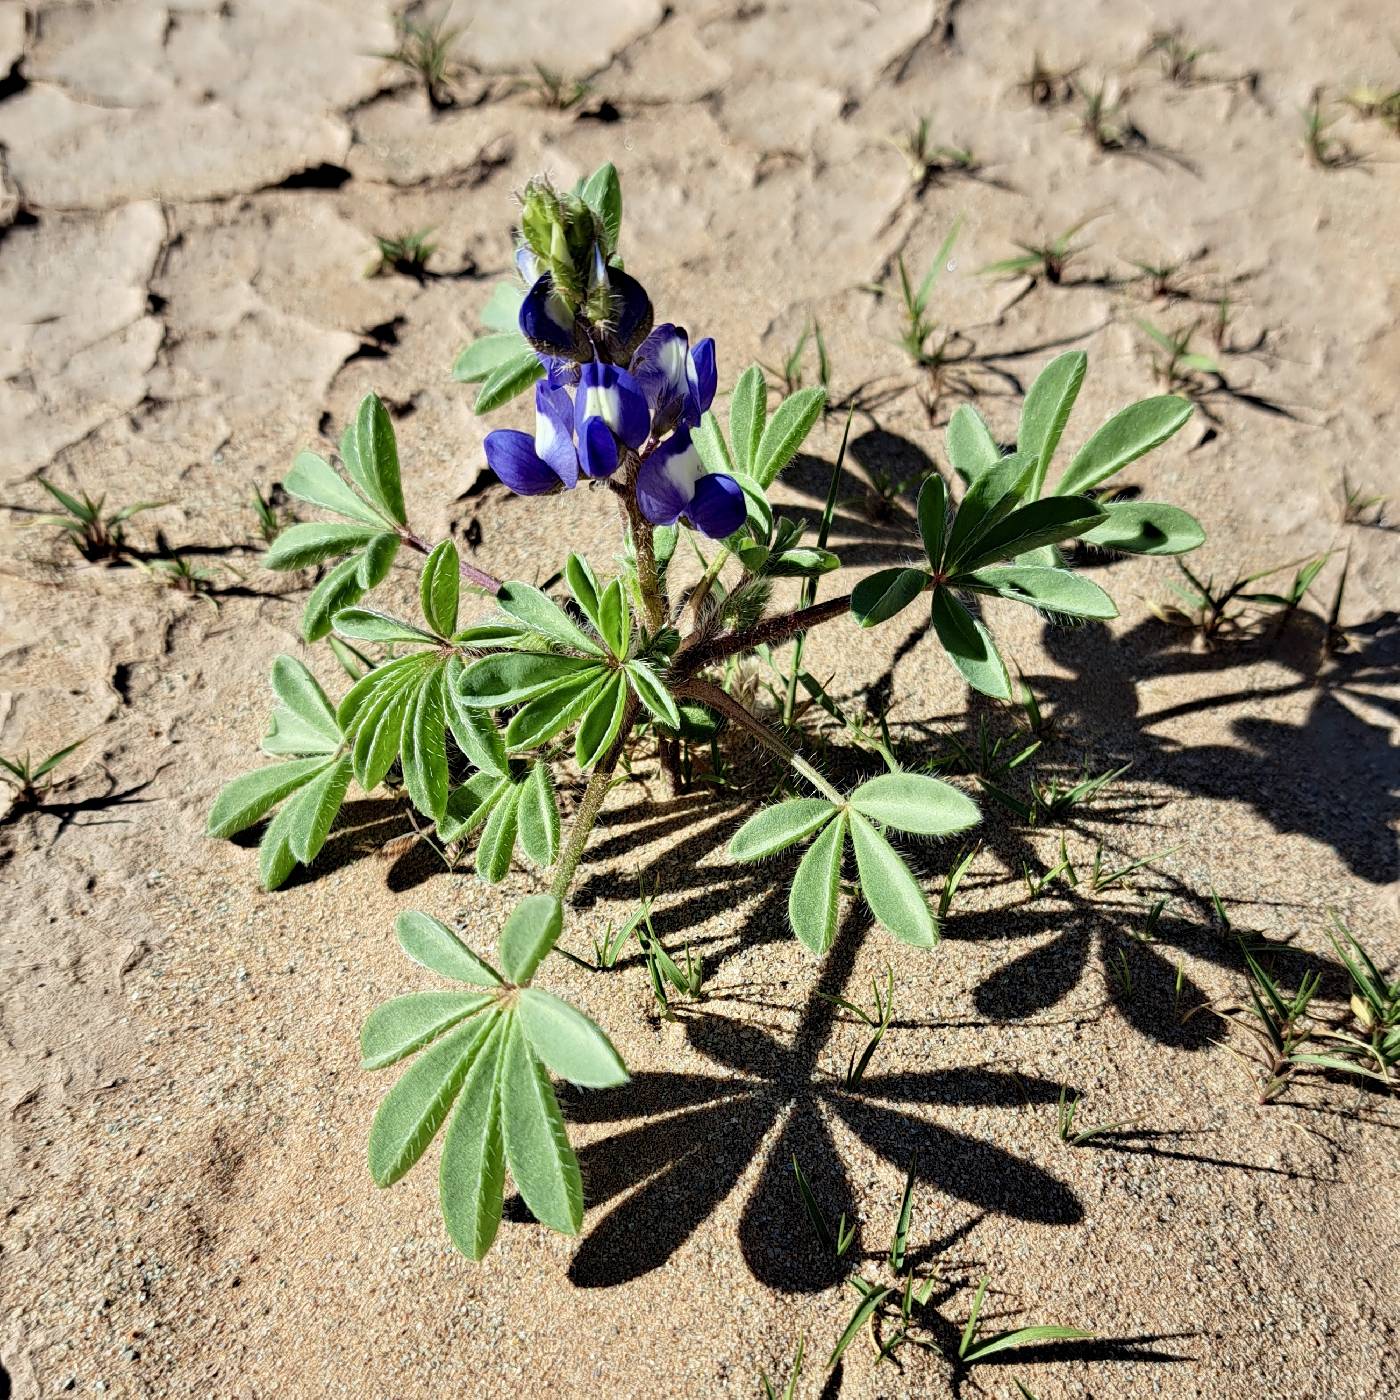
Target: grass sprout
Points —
{"points": [[878, 1020], [406, 254], [1066, 1113], [972, 1348], [1046, 260], [98, 534], [835, 1242], [425, 50], [28, 777], [794, 1374]]}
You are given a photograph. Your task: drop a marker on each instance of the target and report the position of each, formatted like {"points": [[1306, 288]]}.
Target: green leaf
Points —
{"points": [[539, 817], [541, 614], [971, 448], [601, 722], [338, 589], [859, 1319], [547, 715], [1123, 439], [507, 380], [374, 460], [1047, 409], [602, 193], [803, 562], [568, 1042], [990, 498], [1055, 590], [431, 944], [879, 596], [814, 900], [502, 309], [1029, 527], [299, 691], [371, 625], [653, 693], [493, 850], [275, 858], [439, 588], [785, 432], [889, 887], [969, 646], [414, 1109], [711, 446], [513, 677], [313, 479], [915, 803], [537, 1145], [299, 546], [531, 931], [376, 560], [379, 726], [288, 733], [474, 731], [470, 805], [1146, 527], [615, 618], [748, 410], [583, 584], [423, 747], [472, 1173], [243, 801], [399, 1027], [311, 812], [933, 518], [776, 828], [483, 357]]}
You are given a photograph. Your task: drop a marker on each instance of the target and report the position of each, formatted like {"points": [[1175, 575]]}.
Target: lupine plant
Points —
{"points": [[481, 720]]}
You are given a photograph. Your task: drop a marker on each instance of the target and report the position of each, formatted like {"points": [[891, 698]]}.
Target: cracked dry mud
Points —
{"points": [[189, 194]]}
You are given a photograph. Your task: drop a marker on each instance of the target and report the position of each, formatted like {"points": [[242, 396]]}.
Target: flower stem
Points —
{"points": [[707, 693], [478, 578], [770, 631], [594, 795]]}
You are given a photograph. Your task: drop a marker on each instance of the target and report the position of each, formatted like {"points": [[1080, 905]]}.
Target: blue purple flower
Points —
{"points": [[673, 485]]}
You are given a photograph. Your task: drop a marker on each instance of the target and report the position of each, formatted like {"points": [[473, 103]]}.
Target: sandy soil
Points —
{"points": [[190, 194]]}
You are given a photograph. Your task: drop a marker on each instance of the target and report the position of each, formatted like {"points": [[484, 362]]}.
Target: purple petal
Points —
{"points": [[718, 508], [512, 456], [544, 319], [597, 449], [667, 480], [702, 378], [609, 393], [554, 431], [659, 365], [631, 307]]}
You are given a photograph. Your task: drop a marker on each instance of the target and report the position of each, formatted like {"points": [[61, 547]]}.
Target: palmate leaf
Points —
{"points": [[1025, 528], [541, 614], [312, 542], [490, 1055], [315, 781], [539, 817], [507, 379], [483, 357], [514, 677], [601, 722], [312, 479]]}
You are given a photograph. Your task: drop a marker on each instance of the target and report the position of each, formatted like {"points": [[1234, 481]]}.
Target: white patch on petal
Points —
{"points": [[674, 354], [684, 470], [604, 403], [547, 434]]}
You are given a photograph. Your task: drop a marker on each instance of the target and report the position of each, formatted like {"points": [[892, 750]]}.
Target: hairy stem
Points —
{"points": [[770, 631], [594, 795], [478, 578], [648, 576], [707, 693]]}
